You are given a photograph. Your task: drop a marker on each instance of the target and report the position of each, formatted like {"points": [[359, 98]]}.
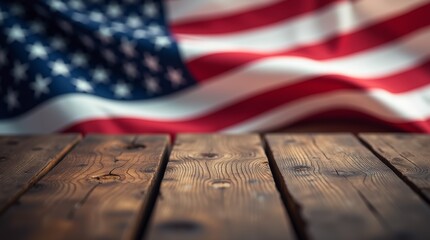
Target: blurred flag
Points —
{"points": [[212, 65]]}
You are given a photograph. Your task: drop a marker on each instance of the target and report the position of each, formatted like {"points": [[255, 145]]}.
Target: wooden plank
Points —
{"points": [[25, 159], [100, 190], [342, 191], [407, 154], [218, 187]]}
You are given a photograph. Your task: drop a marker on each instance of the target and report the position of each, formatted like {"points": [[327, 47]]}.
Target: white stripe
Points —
{"points": [[413, 106], [230, 88], [179, 11], [67, 110], [338, 18]]}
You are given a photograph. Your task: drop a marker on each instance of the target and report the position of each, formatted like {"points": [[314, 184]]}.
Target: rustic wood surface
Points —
{"points": [[408, 155], [323, 186], [100, 190], [218, 187], [24, 159], [340, 190]]}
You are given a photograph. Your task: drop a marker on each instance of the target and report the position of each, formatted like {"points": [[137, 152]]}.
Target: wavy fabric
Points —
{"points": [[201, 66]]}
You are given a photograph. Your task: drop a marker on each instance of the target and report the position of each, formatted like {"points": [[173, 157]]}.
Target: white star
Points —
{"points": [[105, 32], [155, 29], [60, 68], [82, 85], [113, 10], [11, 99], [118, 27], [79, 17], [175, 76], [134, 21], [40, 86], [58, 5], [150, 9], [128, 48], [151, 62], [79, 59], [162, 42], [151, 84], [140, 33], [37, 50], [19, 70], [100, 75], [130, 70], [16, 33], [97, 16], [121, 90], [76, 4]]}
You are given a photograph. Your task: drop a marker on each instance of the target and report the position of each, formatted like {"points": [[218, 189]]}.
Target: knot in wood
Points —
{"points": [[301, 168], [342, 173], [106, 178]]}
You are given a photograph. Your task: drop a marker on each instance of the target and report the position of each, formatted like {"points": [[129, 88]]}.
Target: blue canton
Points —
{"points": [[119, 50]]}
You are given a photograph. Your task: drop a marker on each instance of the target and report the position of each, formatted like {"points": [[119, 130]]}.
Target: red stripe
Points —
{"points": [[250, 19], [209, 66], [129, 125], [255, 105]]}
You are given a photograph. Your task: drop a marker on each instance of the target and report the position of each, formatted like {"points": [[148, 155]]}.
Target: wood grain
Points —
{"points": [[100, 190], [218, 187], [25, 159], [342, 191], [407, 154]]}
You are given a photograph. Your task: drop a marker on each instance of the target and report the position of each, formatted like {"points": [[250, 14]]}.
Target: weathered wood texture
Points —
{"points": [[218, 187], [24, 159], [407, 154], [342, 191], [100, 190]]}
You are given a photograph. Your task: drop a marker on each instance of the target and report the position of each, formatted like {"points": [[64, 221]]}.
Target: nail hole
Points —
{"points": [[2, 159]]}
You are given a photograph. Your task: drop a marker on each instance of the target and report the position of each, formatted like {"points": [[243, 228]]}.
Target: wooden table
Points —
{"points": [[276, 186]]}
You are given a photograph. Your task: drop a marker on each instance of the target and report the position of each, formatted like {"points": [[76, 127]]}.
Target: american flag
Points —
{"points": [[211, 65]]}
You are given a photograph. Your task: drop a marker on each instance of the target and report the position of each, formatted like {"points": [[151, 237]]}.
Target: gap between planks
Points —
{"points": [[218, 187], [101, 189], [341, 190], [408, 155], [26, 159]]}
